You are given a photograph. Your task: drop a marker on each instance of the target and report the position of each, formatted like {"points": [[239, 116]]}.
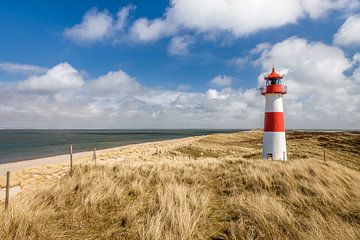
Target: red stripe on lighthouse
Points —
{"points": [[274, 122]]}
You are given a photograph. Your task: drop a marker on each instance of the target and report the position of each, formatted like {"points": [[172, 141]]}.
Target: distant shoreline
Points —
{"points": [[29, 144], [65, 158]]}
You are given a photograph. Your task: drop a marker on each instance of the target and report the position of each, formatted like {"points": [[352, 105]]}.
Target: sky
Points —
{"points": [[178, 63]]}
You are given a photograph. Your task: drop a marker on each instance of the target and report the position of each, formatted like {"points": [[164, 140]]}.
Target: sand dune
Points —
{"points": [[208, 187], [30, 173]]}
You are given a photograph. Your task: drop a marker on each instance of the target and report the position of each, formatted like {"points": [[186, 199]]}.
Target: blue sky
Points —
{"points": [[198, 61]]}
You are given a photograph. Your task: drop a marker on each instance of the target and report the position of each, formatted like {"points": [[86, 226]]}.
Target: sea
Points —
{"points": [[27, 144]]}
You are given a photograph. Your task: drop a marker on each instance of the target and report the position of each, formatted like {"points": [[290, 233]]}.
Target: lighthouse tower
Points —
{"points": [[274, 141]]}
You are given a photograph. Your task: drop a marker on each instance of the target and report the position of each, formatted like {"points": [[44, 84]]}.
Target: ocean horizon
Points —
{"points": [[26, 144]]}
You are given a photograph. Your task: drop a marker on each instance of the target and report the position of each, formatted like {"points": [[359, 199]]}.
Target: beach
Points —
{"points": [[205, 187], [31, 173]]}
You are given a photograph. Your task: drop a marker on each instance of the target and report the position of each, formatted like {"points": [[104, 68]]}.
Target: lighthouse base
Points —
{"points": [[274, 146]]}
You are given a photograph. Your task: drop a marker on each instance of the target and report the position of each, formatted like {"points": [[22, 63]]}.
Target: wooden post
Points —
{"points": [[94, 155], [7, 190], [324, 156], [157, 150], [71, 160]]}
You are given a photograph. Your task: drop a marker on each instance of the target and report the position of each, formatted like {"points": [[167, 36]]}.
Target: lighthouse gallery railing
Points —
{"points": [[273, 89]]}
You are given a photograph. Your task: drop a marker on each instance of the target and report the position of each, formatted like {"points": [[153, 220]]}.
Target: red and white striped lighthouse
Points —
{"points": [[274, 140]]}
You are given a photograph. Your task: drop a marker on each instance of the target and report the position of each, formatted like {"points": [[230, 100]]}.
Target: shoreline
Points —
{"points": [[50, 157], [61, 159], [30, 163], [32, 144], [27, 174], [22, 164], [31, 174]]}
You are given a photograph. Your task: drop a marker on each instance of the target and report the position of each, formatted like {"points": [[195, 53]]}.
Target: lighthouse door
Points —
{"points": [[269, 156]]}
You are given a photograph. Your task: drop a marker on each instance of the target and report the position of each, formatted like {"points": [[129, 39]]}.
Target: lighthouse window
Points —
{"points": [[275, 81]]}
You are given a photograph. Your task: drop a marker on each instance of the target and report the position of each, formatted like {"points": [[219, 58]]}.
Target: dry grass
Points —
{"points": [[225, 193]]}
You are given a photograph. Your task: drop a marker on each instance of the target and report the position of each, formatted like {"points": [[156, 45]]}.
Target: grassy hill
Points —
{"points": [[214, 187]]}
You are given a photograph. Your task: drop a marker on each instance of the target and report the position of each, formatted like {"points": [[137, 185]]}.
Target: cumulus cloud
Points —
{"points": [[239, 17], [180, 45], [150, 30], [221, 81], [323, 93], [94, 26], [349, 32], [21, 68], [356, 58], [320, 93], [98, 25], [115, 82], [122, 17], [214, 94], [60, 77], [317, 8], [118, 100]]}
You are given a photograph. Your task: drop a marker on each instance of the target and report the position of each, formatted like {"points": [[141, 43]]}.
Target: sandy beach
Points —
{"points": [[198, 187], [29, 173]]}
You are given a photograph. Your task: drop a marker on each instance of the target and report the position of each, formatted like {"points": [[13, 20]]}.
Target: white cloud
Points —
{"points": [[239, 17], [117, 100], [349, 32], [122, 17], [221, 81], [97, 25], [317, 8], [21, 68], [180, 45], [214, 94], [115, 82], [320, 95], [60, 77], [147, 31], [94, 26]]}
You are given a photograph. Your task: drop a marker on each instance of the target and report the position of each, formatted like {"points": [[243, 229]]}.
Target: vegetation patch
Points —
{"points": [[215, 194]]}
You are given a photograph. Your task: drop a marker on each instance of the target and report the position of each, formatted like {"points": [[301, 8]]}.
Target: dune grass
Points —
{"points": [[227, 194]]}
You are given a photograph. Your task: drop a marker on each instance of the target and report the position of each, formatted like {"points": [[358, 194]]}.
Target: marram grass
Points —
{"points": [[221, 196]]}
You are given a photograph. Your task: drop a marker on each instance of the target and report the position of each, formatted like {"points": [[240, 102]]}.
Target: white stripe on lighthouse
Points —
{"points": [[274, 143], [274, 103]]}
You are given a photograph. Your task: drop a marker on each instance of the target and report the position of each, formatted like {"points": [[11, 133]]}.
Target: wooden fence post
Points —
{"points": [[71, 160], [94, 155], [7, 190], [324, 156]]}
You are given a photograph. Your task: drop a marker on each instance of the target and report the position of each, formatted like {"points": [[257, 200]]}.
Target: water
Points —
{"points": [[30, 144]]}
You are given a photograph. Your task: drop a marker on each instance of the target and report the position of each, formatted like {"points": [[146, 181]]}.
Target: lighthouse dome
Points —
{"points": [[273, 75]]}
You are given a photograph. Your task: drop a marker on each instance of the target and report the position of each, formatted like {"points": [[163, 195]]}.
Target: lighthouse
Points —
{"points": [[274, 140]]}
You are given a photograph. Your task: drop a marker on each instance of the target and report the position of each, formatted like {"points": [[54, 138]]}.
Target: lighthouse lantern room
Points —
{"points": [[274, 140]]}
